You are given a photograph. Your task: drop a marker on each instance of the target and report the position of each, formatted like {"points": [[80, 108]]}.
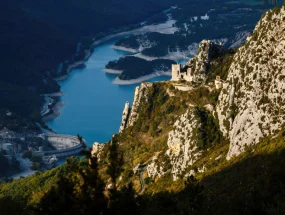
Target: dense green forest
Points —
{"points": [[134, 67], [36, 36], [223, 21]]}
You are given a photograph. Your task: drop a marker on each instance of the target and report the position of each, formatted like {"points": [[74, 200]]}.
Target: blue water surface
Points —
{"points": [[94, 104]]}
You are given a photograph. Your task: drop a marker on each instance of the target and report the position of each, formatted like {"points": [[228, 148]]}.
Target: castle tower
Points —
{"points": [[176, 68], [189, 75]]}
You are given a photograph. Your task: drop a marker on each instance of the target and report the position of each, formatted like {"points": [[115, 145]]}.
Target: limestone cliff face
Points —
{"points": [[125, 117], [155, 167], [182, 147], [200, 63], [97, 148], [182, 143], [140, 95], [130, 115], [252, 103]]}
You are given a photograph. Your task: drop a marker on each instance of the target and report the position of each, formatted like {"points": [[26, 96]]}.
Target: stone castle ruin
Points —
{"points": [[195, 70], [181, 73]]}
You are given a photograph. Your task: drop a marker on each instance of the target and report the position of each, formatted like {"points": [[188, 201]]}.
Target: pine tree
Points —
{"points": [[121, 201], [79, 190]]}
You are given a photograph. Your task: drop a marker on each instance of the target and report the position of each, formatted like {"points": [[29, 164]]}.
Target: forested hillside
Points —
{"points": [[36, 36]]}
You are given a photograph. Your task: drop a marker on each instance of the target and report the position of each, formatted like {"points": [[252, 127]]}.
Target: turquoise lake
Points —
{"points": [[94, 104]]}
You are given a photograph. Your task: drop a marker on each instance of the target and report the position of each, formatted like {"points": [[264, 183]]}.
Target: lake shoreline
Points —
{"points": [[113, 71], [122, 48], [55, 111], [165, 27], [119, 81]]}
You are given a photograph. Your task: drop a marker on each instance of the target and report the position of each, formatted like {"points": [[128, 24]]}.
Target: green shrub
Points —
{"points": [[35, 166], [27, 154], [36, 158]]}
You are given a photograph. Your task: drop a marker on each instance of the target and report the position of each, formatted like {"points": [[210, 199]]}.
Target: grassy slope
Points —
{"points": [[252, 183], [255, 177]]}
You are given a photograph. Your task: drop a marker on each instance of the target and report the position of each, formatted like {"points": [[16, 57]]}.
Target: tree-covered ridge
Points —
{"points": [[229, 23], [133, 67], [37, 36], [29, 48]]}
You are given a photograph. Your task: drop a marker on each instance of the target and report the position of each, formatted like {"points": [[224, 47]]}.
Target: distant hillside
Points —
{"points": [[29, 48], [36, 36]]}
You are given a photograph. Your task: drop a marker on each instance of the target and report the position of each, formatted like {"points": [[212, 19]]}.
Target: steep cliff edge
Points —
{"points": [[182, 146], [140, 94], [172, 134], [201, 62], [252, 102], [131, 114], [250, 105], [125, 117]]}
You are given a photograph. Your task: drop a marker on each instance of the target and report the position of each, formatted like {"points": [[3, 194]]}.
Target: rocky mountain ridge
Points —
{"points": [[200, 63], [249, 106], [179, 149]]}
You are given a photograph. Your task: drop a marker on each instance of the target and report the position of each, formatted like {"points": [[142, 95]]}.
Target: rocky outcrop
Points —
{"points": [[130, 115], [200, 63], [182, 148], [155, 167], [125, 117], [97, 149], [252, 104], [140, 96], [182, 143]]}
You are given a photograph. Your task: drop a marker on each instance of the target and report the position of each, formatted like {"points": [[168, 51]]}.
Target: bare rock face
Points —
{"points": [[182, 148], [125, 116], [252, 103], [97, 149], [155, 167], [140, 95], [182, 143], [200, 63], [130, 115]]}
